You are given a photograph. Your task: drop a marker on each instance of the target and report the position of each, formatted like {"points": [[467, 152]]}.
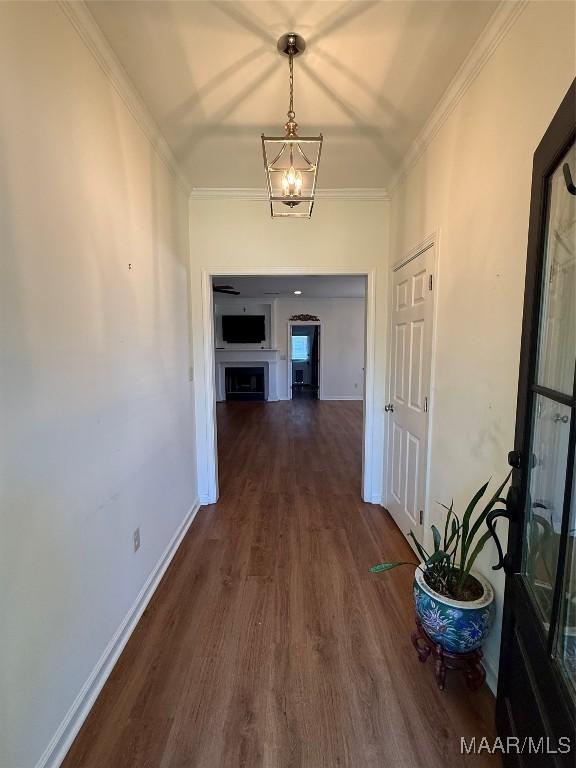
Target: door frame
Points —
{"points": [[518, 607], [432, 240], [206, 433], [296, 323]]}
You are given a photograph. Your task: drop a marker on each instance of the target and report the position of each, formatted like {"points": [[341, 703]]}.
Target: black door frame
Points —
{"points": [[296, 324], [521, 626]]}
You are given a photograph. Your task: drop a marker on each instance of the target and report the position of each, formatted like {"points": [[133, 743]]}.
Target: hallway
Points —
{"points": [[268, 643]]}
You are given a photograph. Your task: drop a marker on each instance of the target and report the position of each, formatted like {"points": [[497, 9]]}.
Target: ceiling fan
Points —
{"points": [[229, 289]]}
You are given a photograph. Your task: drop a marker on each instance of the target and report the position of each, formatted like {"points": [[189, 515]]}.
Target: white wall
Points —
{"points": [[232, 236], [473, 182], [341, 344], [95, 399]]}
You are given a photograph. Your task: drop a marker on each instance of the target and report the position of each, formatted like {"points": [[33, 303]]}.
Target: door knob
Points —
{"points": [[389, 407]]}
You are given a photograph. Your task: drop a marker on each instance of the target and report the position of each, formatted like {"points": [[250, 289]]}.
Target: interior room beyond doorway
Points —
{"points": [[285, 337]]}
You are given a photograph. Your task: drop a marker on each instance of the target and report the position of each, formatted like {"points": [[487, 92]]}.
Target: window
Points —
{"points": [[301, 348]]}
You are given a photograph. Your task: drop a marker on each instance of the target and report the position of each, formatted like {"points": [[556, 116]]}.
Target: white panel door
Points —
{"points": [[408, 406]]}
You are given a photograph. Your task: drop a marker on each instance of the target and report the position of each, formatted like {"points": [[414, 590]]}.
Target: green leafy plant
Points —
{"points": [[447, 568]]}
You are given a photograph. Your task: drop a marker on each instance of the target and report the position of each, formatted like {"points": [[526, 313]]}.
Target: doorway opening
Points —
{"points": [[274, 303], [304, 368]]}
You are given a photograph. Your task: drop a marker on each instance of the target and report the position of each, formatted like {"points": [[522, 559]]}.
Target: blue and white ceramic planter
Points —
{"points": [[458, 626]]}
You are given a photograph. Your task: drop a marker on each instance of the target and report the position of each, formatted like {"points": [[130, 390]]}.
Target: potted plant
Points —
{"points": [[454, 604]]}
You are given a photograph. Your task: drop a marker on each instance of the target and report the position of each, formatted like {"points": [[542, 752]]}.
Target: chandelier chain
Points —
{"points": [[291, 114], [291, 161]]}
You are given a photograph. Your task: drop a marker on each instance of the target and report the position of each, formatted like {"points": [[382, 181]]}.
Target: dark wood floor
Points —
{"points": [[268, 643]]}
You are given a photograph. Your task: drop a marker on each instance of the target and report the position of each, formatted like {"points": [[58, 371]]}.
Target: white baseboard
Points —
{"points": [[62, 740], [342, 397], [325, 397], [491, 675], [268, 399], [205, 499]]}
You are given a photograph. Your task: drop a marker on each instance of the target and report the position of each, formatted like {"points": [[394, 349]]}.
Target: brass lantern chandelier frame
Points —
{"points": [[292, 145]]}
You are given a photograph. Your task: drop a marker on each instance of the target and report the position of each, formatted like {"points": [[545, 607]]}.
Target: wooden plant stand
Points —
{"points": [[469, 664]]}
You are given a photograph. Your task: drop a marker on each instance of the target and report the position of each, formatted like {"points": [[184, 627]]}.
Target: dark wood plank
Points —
{"points": [[268, 643]]}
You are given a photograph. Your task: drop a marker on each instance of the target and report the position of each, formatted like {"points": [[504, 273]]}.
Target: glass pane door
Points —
{"points": [[549, 568], [537, 672], [557, 337], [545, 501], [566, 651]]}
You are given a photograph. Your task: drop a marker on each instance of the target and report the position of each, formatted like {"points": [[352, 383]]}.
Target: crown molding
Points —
{"points": [[84, 23], [501, 21], [259, 194]]}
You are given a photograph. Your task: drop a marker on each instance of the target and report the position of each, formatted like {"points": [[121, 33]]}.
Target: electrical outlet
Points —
{"points": [[136, 539], [190, 373]]}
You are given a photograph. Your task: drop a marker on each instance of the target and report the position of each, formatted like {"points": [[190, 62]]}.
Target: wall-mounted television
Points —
{"points": [[243, 329]]}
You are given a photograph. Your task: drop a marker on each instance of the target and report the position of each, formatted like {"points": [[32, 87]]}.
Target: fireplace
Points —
{"points": [[244, 383]]}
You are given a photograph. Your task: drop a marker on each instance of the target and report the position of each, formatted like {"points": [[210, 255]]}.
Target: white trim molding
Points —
{"points": [[335, 398], [84, 23], [501, 21], [491, 674], [259, 194], [68, 729]]}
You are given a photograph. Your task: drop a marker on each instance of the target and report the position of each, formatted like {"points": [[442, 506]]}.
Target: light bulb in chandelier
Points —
{"points": [[291, 185], [291, 161]]}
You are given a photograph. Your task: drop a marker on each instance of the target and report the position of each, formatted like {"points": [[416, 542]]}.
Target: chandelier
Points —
{"points": [[291, 161]]}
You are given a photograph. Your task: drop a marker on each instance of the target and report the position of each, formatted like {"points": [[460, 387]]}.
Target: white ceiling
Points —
{"points": [[213, 80], [312, 286]]}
